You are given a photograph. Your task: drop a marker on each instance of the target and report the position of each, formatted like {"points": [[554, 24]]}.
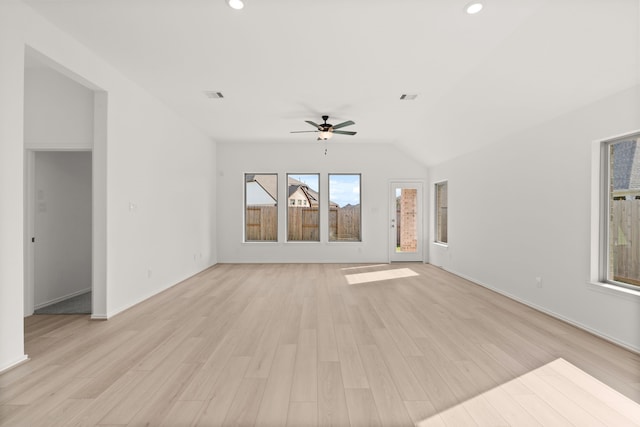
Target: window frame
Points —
{"points": [[600, 224], [437, 207], [329, 175], [244, 210], [287, 195]]}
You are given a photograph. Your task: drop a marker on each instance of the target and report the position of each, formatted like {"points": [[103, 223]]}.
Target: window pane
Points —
{"points": [[261, 207], [344, 208], [406, 220], [624, 211], [441, 212], [303, 214]]}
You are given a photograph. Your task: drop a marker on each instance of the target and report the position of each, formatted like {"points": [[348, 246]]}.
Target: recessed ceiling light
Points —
{"points": [[235, 4], [473, 8]]}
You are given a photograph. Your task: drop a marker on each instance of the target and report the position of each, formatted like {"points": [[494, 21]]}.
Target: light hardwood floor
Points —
{"points": [[296, 345]]}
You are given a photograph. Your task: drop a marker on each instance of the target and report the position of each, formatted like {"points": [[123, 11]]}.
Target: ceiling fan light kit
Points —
{"points": [[326, 130], [473, 8], [324, 135], [235, 4]]}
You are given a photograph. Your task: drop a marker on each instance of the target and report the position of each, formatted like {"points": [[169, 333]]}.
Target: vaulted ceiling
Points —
{"points": [[479, 78]]}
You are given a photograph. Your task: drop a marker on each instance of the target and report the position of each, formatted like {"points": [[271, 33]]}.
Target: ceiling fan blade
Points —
{"points": [[343, 124], [344, 132], [303, 131], [315, 125]]}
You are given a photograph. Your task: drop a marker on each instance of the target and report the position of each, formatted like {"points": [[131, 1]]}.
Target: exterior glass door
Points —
{"points": [[405, 235]]}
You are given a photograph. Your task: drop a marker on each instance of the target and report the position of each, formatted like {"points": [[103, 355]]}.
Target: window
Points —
{"points": [[344, 208], [303, 213], [441, 212], [620, 244], [261, 207]]}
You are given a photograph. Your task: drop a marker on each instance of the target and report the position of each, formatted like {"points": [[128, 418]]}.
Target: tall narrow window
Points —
{"points": [[621, 207], [344, 208], [303, 211], [441, 212], [261, 207]]}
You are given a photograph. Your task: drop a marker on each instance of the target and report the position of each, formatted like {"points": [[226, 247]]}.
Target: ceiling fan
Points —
{"points": [[326, 130]]}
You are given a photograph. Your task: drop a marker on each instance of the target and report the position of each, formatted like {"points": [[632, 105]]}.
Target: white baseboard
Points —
{"points": [[15, 364], [553, 314], [62, 298]]}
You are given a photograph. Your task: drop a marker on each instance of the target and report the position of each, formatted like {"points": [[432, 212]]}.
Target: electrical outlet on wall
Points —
{"points": [[539, 282]]}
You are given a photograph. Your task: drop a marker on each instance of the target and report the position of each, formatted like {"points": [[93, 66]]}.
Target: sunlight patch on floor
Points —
{"points": [[360, 267], [377, 276], [557, 393]]}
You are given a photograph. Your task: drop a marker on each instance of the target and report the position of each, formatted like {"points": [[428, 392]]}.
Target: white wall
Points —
{"points": [[62, 225], [521, 209], [378, 164], [11, 187], [151, 160], [58, 112]]}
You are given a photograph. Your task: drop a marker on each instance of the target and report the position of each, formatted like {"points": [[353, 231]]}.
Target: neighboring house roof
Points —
{"points": [[626, 165], [269, 182], [311, 195]]}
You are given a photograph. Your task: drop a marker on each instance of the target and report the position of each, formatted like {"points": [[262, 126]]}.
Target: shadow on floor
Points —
{"points": [[80, 304]]}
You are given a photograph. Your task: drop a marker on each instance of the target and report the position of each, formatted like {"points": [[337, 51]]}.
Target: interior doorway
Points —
{"points": [[405, 216], [62, 232]]}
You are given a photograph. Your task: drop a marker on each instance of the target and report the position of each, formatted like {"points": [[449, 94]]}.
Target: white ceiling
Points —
{"points": [[479, 78]]}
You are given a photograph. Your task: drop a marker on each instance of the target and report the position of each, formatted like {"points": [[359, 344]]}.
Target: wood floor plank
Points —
{"points": [[182, 413], [361, 331], [141, 396], [353, 373], [327, 345], [263, 357], [200, 387], [592, 403], [553, 397], [483, 413], [305, 376], [406, 382], [164, 397], [246, 402], [423, 413], [45, 406], [509, 409], [362, 408], [438, 391], [292, 323], [391, 409], [309, 315], [254, 344], [540, 410], [332, 404], [605, 394], [274, 407], [302, 414], [99, 407], [403, 340], [222, 393]]}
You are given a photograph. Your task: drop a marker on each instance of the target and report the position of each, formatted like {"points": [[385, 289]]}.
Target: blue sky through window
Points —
{"points": [[344, 189]]}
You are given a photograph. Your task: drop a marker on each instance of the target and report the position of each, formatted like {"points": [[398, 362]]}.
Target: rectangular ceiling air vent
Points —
{"points": [[213, 95], [407, 97]]}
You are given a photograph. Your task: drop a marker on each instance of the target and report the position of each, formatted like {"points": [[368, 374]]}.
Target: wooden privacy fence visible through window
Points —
{"points": [[303, 224], [625, 235], [261, 223]]}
